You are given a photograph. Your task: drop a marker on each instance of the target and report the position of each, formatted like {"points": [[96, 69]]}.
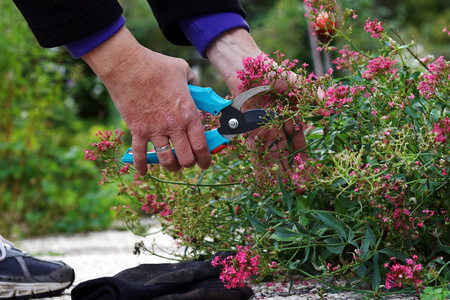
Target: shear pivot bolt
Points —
{"points": [[233, 123]]}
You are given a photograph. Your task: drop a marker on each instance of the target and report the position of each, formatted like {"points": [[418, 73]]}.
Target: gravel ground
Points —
{"points": [[100, 254]]}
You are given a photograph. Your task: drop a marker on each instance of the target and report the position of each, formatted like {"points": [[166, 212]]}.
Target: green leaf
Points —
{"points": [[369, 240], [442, 247], [392, 253], [356, 78], [284, 234], [277, 212], [302, 229], [376, 279], [331, 222], [259, 227], [370, 235], [294, 265], [287, 198], [314, 119], [361, 270], [341, 204], [334, 249]]}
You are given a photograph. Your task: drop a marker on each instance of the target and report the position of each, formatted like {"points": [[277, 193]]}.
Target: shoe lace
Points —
{"points": [[5, 246]]}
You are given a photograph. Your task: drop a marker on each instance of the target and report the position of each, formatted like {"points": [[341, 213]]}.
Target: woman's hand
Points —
{"points": [[151, 93]]}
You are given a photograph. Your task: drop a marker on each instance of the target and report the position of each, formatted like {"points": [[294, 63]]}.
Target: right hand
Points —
{"points": [[151, 93]]}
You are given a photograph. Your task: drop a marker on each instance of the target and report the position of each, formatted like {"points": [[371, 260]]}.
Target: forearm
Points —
{"points": [[227, 52]]}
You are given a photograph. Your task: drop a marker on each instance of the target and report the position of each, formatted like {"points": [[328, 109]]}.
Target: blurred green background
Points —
{"points": [[51, 104]]}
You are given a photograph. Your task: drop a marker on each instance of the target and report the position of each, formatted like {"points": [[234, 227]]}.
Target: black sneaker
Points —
{"points": [[23, 276]]}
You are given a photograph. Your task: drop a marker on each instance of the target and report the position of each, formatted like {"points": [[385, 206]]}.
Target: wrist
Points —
{"points": [[107, 58], [227, 52]]}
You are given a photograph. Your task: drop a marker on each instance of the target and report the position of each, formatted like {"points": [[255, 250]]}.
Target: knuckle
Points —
{"points": [[187, 162], [166, 161], [200, 148]]}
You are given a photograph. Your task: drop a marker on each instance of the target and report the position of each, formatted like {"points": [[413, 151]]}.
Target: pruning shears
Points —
{"points": [[232, 120]]}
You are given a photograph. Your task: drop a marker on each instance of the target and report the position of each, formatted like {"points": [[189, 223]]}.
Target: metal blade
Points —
{"points": [[259, 117], [242, 98], [234, 122]]}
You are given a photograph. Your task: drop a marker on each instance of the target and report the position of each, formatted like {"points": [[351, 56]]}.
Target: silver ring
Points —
{"points": [[162, 149]]}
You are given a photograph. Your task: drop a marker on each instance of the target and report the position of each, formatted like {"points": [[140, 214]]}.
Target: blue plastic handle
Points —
{"points": [[213, 138], [207, 100]]}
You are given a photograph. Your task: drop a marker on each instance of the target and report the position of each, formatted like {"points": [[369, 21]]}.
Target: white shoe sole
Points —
{"points": [[16, 290]]}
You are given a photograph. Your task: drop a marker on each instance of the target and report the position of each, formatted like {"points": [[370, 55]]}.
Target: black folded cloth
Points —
{"points": [[196, 280]]}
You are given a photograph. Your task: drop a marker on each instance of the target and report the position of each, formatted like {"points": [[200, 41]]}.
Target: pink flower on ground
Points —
{"points": [[399, 274], [237, 270]]}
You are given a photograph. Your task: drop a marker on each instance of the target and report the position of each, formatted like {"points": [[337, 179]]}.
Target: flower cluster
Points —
{"points": [[152, 206], [399, 274], [348, 59], [263, 69], [317, 6], [437, 71], [380, 66], [238, 269], [442, 131], [374, 27], [255, 70], [338, 96], [107, 141]]}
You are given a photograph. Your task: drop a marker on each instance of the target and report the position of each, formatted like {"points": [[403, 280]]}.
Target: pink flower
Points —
{"points": [[446, 30], [238, 269], [348, 59], [442, 131], [411, 274], [151, 206], [336, 97], [124, 169], [432, 79], [255, 69], [380, 66], [89, 155], [375, 28]]}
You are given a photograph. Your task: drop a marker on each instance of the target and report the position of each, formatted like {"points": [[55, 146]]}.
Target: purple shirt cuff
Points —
{"points": [[86, 44], [202, 30]]}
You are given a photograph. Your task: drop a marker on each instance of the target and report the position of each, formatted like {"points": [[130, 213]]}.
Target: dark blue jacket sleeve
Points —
{"points": [[56, 23], [169, 12]]}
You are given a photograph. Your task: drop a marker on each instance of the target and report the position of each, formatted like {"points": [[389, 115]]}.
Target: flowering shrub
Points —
{"points": [[374, 176]]}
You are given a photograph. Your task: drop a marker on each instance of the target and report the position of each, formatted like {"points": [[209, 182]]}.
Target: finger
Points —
{"points": [[183, 149], [199, 145], [192, 78], [139, 147], [166, 158]]}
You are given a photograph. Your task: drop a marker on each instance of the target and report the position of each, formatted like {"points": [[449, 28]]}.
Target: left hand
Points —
{"points": [[227, 53]]}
